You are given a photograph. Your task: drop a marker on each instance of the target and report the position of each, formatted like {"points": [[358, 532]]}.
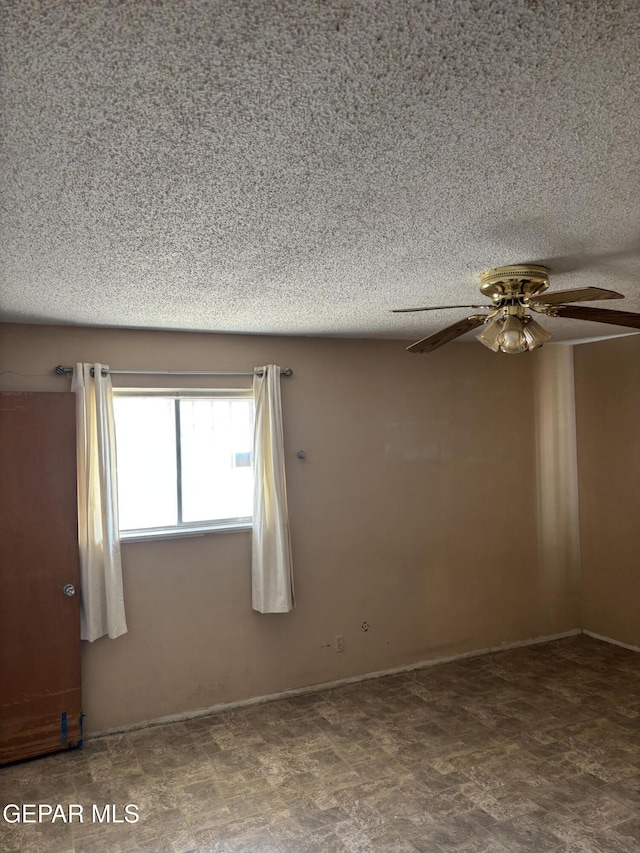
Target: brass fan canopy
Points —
{"points": [[518, 281]]}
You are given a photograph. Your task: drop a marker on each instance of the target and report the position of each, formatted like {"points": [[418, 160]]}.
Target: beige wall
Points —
{"points": [[557, 478], [416, 509], [608, 426]]}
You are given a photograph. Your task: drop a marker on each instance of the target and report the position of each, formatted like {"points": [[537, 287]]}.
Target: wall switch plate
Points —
{"points": [[339, 642]]}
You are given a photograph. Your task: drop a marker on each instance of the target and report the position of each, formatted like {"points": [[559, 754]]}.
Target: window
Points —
{"points": [[184, 461]]}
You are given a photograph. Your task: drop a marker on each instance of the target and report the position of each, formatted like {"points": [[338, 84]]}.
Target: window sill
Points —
{"points": [[153, 534]]}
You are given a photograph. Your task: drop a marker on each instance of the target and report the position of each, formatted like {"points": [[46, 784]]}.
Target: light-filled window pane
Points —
{"points": [[146, 451], [217, 477]]}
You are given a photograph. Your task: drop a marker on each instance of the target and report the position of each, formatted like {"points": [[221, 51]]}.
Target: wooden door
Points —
{"points": [[40, 703]]}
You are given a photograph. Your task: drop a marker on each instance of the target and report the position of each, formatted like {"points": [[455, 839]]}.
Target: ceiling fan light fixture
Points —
{"points": [[489, 335], [514, 290], [512, 338], [513, 334], [535, 334]]}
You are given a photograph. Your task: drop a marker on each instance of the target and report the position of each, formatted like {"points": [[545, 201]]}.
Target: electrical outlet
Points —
{"points": [[339, 642]]}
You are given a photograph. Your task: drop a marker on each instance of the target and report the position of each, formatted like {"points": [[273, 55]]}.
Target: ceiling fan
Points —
{"points": [[516, 291]]}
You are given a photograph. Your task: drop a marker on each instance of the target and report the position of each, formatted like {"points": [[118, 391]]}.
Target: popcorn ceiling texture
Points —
{"points": [[303, 167]]}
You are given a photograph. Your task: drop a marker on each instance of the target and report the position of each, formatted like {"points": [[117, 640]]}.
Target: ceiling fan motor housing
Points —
{"points": [[519, 281]]}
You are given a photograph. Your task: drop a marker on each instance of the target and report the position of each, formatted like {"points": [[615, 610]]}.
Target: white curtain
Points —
{"points": [[272, 571], [101, 597]]}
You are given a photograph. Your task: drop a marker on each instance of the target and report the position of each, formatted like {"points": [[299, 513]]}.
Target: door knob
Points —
{"points": [[69, 589]]}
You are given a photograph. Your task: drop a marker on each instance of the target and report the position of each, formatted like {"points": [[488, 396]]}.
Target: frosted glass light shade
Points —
{"points": [[535, 334], [512, 338], [489, 335]]}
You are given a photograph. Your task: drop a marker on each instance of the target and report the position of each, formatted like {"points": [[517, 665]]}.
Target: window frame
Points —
{"points": [[194, 528]]}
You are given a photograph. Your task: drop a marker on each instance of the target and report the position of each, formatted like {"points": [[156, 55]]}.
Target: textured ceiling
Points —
{"points": [[303, 167]]}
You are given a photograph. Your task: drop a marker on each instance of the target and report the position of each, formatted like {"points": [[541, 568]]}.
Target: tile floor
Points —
{"points": [[534, 749]]}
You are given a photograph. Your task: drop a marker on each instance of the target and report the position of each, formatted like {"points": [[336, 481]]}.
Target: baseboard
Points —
{"points": [[611, 640], [327, 685]]}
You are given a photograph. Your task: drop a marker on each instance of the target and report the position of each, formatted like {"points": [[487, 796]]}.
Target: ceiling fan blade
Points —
{"points": [[449, 334], [599, 315], [582, 294], [435, 308]]}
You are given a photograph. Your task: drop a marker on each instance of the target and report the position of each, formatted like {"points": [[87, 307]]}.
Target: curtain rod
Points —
{"points": [[59, 370]]}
